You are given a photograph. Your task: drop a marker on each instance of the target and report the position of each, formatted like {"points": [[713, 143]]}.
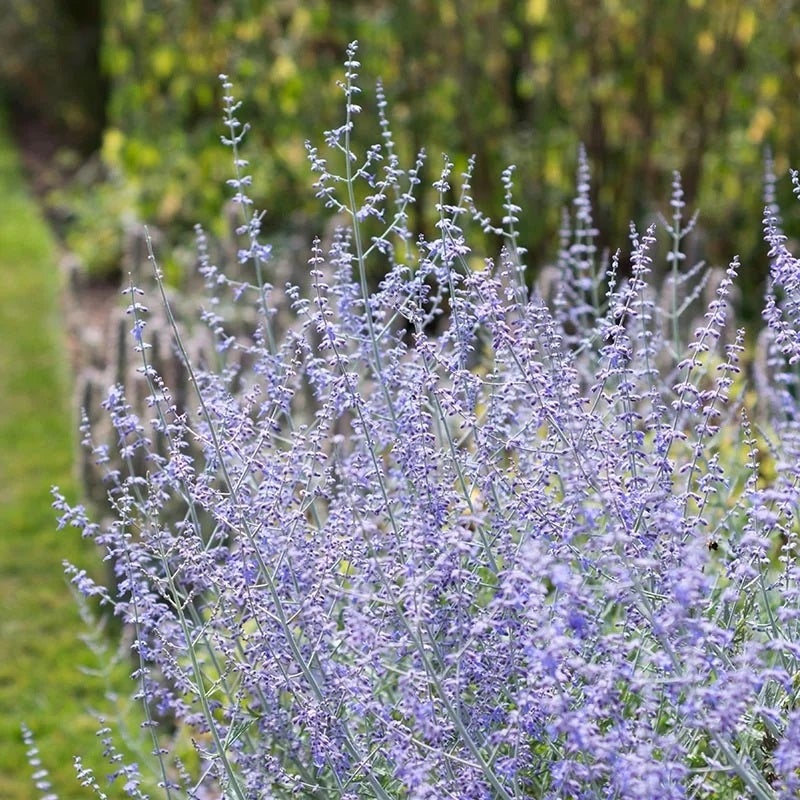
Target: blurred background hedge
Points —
{"points": [[702, 86]]}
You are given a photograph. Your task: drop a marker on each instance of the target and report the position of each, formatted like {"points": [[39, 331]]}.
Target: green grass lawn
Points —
{"points": [[41, 652]]}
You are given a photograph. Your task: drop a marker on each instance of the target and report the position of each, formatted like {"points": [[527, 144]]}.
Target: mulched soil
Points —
{"points": [[87, 305], [39, 145]]}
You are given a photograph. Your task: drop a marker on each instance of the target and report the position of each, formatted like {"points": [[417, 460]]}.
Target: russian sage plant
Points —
{"points": [[452, 536]]}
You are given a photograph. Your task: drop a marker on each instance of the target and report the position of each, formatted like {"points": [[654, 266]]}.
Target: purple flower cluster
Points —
{"points": [[454, 537]]}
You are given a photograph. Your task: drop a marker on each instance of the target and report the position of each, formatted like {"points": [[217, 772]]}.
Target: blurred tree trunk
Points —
{"points": [[50, 67]]}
